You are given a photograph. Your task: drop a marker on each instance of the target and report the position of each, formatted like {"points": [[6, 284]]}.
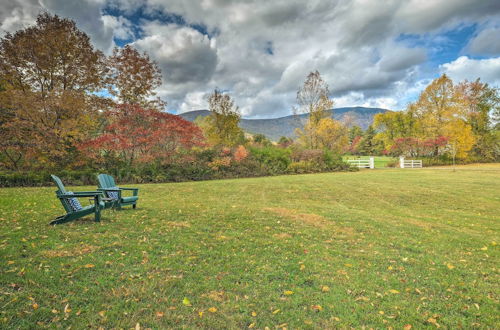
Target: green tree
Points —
{"points": [[366, 145]]}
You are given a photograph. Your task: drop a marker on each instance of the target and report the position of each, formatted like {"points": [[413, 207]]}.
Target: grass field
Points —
{"points": [[388, 248], [380, 161]]}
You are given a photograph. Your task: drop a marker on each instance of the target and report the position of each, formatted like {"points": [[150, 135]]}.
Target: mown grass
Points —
{"points": [[387, 248]]}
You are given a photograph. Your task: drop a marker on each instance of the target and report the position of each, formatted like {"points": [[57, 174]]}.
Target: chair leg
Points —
{"points": [[59, 220], [97, 217], [134, 206]]}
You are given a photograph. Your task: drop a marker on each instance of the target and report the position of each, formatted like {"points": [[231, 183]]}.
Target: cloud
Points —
{"points": [[466, 68], [487, 42], [187, 58]]}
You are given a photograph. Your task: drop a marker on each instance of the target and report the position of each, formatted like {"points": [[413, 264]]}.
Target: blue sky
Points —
{"points": [[371, 53]]}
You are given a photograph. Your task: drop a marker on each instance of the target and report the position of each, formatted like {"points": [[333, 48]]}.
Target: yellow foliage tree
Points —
{"points": [[313, 99], [332, 134]]}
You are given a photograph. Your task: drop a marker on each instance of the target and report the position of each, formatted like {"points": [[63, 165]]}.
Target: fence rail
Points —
{"points": [[362, 163], [409, 163]]}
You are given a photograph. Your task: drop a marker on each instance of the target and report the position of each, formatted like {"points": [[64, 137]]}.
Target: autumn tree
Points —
{"points": [[332, 135], [221, 126], [134, 77], [50, 72], [441, 111], [313, 99], [396, 124], [138, 135], [482, 101]]}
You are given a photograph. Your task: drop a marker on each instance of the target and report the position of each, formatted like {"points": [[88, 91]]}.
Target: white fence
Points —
{"points": [[362, 163], [403, 163]]}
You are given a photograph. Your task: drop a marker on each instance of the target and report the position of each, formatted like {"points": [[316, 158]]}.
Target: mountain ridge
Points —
{"points": [[274, 128]]}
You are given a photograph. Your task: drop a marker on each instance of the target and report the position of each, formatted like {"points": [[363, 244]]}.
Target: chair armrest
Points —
{"points": [[109, 189], [135, 191], [82, 194], [87, 192]]}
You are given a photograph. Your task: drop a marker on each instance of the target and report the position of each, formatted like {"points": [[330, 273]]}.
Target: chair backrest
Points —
{"points": [[106, 181], [61, 191], [59, 184]]}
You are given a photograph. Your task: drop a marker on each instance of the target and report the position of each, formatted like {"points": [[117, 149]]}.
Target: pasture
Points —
{"points": [[376, 248]]}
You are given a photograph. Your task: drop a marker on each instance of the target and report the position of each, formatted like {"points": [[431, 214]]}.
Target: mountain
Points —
{"points": [[275, 128]]}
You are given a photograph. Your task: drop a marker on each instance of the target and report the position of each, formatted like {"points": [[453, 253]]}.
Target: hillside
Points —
{"points": [[274, 128]]}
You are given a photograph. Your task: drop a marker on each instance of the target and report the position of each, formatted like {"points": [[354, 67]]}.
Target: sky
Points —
{"points": [[371, 53]]}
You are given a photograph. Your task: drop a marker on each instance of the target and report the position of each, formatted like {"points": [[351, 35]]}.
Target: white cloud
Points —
{"points": [[466, 68], [122, 28]]}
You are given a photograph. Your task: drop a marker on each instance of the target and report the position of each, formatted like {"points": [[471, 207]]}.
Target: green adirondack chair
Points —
{"points": [[108, 186], [74, 210]]}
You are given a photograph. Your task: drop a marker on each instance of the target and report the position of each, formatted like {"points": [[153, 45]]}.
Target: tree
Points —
{"points": [[442, 111], [50, 71], [368, 145], [482, 101], [143, 135], [221, 126], [134, 77], [332, 135], [261, 139], [285, 141], [394, 125], [313, 99]]}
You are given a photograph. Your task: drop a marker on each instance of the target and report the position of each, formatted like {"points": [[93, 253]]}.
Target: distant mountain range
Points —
{"points": [[275, 128]]}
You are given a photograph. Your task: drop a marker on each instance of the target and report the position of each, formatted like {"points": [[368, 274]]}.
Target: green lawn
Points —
{"points": [[371, 248], [380, 161]]}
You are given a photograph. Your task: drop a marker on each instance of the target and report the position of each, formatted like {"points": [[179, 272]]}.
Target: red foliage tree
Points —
{"points": [[140, 135], [414, 147]]}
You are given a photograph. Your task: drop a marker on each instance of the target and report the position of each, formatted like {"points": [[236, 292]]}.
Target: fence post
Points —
{"points": [[372, 162], [402, 162]]}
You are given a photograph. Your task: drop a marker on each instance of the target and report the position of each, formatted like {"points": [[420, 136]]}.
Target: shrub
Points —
{"points": [[275, 160]]}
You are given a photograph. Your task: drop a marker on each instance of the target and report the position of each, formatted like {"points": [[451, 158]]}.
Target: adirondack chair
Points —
{"points": [[108, 186], [74, 210]]}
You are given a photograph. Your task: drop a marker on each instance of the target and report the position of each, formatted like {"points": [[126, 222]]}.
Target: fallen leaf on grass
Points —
{"points": [[186, 302], [212, 309], [89, 266], [288, 293], [394, 291], [325, 288], [67, 309], [254, 314], [302, 267], [317, 308], [433, 321], [159, 314], [407, 327], [35, 306], [450, 266], [101, 313], [276, 311]]}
